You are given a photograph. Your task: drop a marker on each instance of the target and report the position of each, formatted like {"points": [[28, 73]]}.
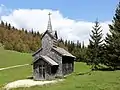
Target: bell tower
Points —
{"points": [[49, 27], [49, 38]]}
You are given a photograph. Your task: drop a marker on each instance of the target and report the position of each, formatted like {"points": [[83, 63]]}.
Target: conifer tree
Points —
{"points": [[9, 26], [95, 44], [112, 40], [13, 27], [56, 35], [66, 43], [83, 45], [6, 24], [2, 23]]}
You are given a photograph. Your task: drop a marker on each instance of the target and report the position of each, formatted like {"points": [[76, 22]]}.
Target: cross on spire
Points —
{"points": [[49, 27], [49, 14]]}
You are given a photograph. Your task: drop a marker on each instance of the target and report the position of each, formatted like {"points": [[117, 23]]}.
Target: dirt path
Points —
{"points": [[28, 83], [13, 67]]}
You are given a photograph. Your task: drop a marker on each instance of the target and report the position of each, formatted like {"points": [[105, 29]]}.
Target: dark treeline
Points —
{"points": [[24, 41], [108, 52], [19, 40], [77, 49], [100, 52]]}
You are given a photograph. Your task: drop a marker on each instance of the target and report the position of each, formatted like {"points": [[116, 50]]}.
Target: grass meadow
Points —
{"points": [[11, 58], [96, 80]]}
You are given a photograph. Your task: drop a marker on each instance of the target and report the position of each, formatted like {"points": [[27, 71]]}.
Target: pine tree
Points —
{"points": [[95, 44], [66, 43], [112, 52], [38, 33], [2, 23], [26, 31], [13, 27], [56, 35], [6, 24], [78, 44], [83, 45], [9, 26], [32, 31]]}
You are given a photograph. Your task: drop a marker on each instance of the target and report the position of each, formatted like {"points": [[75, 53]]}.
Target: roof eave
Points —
{"points": [[69, 56], [36, 51], [48, 62], [64, 54]]}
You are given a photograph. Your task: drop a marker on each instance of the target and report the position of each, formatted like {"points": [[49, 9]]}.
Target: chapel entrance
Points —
{"points": [[42, 71]]}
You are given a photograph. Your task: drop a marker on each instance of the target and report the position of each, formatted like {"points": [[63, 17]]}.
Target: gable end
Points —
{"points": [[47, 32]]}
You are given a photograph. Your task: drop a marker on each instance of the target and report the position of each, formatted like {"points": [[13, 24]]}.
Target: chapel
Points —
{"points": [[51, 61]]}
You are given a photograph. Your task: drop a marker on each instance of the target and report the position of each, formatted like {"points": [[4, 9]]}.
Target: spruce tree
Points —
{"points": [[94, 47], [112, 52], [9, 26], [2, 23]]}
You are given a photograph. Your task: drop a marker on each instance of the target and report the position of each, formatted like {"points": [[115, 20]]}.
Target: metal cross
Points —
{"points": [[49, 14]]}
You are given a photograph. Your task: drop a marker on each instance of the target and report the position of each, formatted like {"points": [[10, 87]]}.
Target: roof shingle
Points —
{"points": [[47, 59], [62, 51]]}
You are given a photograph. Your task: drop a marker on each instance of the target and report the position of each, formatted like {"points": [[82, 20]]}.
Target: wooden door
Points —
{"points": [[42, 71]]}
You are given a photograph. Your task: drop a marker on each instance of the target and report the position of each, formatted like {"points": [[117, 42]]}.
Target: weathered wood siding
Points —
{"points": [[47, 43], [36, 56], [67, 65], [57, 58], [38, 74]]}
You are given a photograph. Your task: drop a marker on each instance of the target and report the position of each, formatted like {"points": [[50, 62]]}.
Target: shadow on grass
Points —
{"points": [[100, 69], [30, 77], [83, 73], [105, 69], [108, 69], [57, 77]]}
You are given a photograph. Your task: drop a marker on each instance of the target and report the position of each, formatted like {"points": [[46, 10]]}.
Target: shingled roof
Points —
{"points": [[37, 51], [62, 51], [47, 59]]}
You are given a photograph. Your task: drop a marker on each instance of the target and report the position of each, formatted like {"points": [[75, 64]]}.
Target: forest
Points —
{"points": [[98, 53]]}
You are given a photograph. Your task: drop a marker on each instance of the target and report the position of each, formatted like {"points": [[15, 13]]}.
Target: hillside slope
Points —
{"points": [[96, 80], [11, 58]]}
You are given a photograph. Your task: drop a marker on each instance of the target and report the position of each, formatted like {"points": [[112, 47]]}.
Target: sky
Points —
{"points": [[73, 19]]}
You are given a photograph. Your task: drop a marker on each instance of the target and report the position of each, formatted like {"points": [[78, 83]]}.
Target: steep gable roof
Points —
{"points": [[47, 59], [49, 33], [62, 51]]}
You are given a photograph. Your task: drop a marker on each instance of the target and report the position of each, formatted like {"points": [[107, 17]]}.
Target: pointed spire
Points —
{"points": [[49, 27], [56, 36]]}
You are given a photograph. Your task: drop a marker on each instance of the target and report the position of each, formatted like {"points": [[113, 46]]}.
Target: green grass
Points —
{"points": [[11, 58], [97, 80], [13, 74]]}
